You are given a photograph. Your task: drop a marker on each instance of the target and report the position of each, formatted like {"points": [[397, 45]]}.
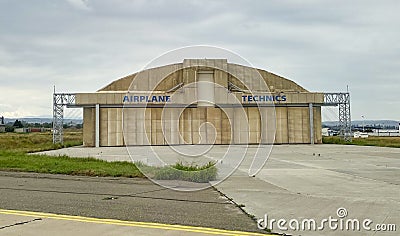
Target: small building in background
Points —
{"points": [[22, 130], [2, 125], [359, 134], [385, 132], [40, 129], [327, 132]]}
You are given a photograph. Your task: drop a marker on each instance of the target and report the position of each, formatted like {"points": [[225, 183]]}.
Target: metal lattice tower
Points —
{"points": [[342, 100], [60, 100]]}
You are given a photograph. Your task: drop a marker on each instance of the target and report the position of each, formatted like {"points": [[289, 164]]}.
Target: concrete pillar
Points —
{"points": [[88, 127], [310, 107], [97, 125]]}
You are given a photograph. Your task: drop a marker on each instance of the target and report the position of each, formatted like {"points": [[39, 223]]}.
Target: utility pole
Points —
{"points": [[363, 125]]}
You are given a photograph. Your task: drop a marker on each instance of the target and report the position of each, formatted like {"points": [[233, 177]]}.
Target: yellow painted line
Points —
{"points": [[193, 229]]}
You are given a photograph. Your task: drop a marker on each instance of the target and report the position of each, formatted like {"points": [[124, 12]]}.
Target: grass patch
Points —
{"points": [[20, 161], [179, 171], [14, 149], [370, 141]]}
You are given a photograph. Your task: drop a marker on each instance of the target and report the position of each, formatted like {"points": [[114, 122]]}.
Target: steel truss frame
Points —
{"points": [[60, 100], [342, 100]]}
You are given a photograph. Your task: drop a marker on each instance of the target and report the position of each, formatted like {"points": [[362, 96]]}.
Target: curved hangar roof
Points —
{"points": [[183, 73]]}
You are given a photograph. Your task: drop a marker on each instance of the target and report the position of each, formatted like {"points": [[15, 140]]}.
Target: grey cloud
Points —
{"points": [[79, 4], [322, 45]]}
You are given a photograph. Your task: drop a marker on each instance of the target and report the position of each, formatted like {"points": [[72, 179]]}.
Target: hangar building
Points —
{"points": [[169, 105]]}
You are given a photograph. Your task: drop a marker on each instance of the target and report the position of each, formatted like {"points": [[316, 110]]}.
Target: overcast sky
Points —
{"points": [[82, 45]]}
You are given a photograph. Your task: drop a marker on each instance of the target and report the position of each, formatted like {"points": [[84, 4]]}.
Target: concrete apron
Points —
{"points": [[313, 181], [301, 182]]}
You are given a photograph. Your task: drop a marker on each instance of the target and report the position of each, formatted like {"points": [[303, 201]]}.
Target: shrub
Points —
{"points": [[193, 173]]}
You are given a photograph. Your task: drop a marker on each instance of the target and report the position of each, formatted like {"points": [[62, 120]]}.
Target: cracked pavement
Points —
{"points": [[116, 198]]}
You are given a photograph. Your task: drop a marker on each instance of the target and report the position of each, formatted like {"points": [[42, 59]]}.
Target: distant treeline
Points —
{"points": [[10, 126], [367, 128]]}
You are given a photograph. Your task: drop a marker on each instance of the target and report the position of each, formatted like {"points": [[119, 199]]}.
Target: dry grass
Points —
{"points": [[370, 141], [34, 142]]}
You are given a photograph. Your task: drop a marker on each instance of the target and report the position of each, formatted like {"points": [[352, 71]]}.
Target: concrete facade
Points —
{"points": [[159, 106]]}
